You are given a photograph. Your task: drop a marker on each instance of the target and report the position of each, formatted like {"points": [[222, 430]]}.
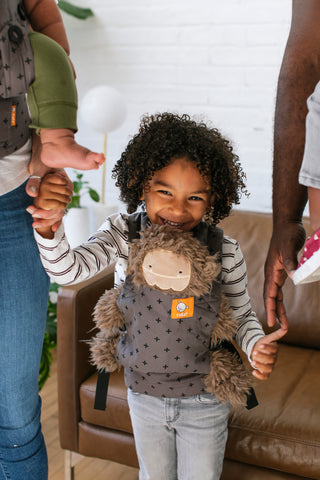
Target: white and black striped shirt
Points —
{"points": [[110, 244]]}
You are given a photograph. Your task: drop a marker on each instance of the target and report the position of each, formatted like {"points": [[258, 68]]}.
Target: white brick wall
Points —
{"points": [[215, 59]]}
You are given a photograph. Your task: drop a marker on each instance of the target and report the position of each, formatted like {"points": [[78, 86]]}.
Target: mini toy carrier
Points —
{"points": [[172, 294]]}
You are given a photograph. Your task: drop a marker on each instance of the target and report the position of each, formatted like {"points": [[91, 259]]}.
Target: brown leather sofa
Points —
{"points": [[278, 440]]}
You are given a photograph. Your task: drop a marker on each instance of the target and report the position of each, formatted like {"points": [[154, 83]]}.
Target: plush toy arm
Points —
{"points": [[228, 379], [226, 326], [106, 314], [109, 320], [102, 351]]}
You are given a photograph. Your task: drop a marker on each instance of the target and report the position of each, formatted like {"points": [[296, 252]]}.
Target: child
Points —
{"points": [[52, 96], [181, 172], [309, 266]]}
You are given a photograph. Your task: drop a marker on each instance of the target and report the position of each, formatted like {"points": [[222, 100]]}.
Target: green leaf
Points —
{"points": [[78, 12], [75, 202], [77, 186], [94, 195]]}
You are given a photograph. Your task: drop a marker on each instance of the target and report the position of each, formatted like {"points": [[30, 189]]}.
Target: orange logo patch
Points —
{"points": [[182, 308], [13, 115]]}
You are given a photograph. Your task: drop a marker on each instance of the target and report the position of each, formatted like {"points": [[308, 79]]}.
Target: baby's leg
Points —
{"points": [[60, 150], [52, 100]]}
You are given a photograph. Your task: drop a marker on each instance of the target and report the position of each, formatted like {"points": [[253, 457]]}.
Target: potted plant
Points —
{"points": [[81, 187], [77, 220]]}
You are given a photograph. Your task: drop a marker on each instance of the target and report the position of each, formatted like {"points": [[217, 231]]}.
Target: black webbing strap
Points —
{"points": [[252, 400], [135, 221], [100, 400]]}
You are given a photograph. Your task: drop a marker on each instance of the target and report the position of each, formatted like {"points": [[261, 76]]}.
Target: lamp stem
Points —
{"points": [[104, 167]]}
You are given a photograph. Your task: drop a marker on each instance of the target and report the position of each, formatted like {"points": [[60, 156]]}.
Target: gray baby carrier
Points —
{"points": [[16, 74], [16, 57]]}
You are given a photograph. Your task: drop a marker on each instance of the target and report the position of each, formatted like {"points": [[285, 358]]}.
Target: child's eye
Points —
{"points": [[164, 192], [195, 198]]}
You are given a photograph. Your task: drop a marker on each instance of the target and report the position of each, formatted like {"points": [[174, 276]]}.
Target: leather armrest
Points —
{"points": [[75, 327]]}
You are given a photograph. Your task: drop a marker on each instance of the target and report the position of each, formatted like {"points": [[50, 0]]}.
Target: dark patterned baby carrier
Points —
{"points": [[16, 74], [166, 347]]}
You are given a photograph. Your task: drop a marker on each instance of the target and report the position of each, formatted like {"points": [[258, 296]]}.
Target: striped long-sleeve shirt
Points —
{"points": [[110, 244]]}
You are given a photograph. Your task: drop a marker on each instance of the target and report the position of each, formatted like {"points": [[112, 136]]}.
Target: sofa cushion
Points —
{"points": [[116, 416], [253, 232], [283, 432]]}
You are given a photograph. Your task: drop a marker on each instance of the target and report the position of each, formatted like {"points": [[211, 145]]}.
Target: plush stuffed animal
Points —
{"points": [[177, 264]]}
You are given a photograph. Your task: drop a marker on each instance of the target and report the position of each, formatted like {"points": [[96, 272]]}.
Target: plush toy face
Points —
{"points": [[166, 270]]}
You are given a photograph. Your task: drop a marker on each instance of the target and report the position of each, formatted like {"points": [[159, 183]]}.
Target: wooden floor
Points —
{"points": [[86, 469]]}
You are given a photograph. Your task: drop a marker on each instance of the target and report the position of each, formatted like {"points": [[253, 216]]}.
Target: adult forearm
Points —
{"points": [[289, 197], [299, 74]]}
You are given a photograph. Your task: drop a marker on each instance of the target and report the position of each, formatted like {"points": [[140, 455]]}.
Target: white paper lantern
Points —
{"points": [[103, 109]]}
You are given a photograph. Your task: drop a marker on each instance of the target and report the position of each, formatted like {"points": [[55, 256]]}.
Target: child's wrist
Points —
{"points": [[45, 232]]}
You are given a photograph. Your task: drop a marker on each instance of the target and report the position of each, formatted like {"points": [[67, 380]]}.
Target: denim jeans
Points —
{"points": [[23, 303], [179, 438]]}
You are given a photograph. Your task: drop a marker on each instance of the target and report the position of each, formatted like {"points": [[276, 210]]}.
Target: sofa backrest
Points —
{"points": [[253, 232]]}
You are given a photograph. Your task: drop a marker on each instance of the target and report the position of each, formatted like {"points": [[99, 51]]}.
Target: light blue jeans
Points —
{"points": [[23, 303], [179, 438]]}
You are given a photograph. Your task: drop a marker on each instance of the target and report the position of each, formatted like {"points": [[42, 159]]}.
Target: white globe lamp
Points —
{"points": [[104, 110]]}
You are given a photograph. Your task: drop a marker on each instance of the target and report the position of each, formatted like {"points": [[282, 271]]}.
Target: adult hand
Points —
{"points": [[286, 242]]}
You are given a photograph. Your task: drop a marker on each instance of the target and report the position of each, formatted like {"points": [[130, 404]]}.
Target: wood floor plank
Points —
{"points": [[86, 469]]}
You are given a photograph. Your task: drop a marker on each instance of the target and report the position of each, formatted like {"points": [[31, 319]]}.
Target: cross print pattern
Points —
{"points": [[16, 56], [164, 356]]}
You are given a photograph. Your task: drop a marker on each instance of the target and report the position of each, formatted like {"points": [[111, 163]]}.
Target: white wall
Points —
{"points": [[215, 59]]}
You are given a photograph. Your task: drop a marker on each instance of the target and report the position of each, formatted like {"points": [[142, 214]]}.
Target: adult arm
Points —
{"points": [[299, 74], [45, 17]]}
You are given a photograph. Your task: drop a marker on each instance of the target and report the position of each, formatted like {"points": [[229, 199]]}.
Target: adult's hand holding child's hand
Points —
{"points": [[55, 194]]}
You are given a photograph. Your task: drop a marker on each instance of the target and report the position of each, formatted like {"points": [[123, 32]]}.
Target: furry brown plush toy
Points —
{"points": [[176, 263]]}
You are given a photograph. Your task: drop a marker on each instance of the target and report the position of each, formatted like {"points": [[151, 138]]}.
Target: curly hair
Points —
{"points": [[167, 136]]}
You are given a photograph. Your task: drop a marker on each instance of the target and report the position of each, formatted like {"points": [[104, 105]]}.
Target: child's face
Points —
{"points": [[178, 195]]}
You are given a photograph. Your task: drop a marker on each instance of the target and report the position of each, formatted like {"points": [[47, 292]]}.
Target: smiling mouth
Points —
{"points": [[171, 224]]}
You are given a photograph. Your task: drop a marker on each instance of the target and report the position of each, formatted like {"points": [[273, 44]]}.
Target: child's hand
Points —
{"points": [[264, 354], [54, 195], [55, 192]]}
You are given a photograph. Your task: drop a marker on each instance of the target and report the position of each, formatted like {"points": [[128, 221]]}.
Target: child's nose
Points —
{"points": [[179, 206]]}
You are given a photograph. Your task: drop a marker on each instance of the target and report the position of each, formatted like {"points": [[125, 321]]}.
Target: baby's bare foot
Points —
{"points": [[60, 150]]}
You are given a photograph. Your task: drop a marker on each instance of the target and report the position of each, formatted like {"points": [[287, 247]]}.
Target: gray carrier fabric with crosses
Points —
{"points": [[16, 74], [16, 57], [165, 356]]}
